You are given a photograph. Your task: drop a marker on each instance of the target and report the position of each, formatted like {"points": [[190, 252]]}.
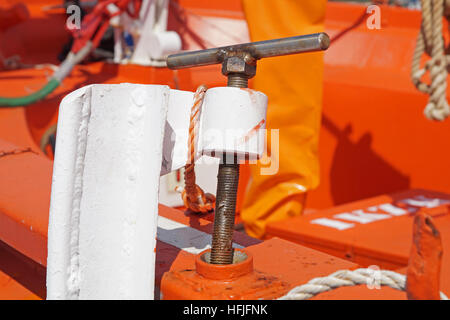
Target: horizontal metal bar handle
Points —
{"points": [[257, 50]]}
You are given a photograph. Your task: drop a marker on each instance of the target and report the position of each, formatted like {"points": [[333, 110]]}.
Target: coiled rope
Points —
{"points": [[431, 42], [193, 196], [347, 278]]}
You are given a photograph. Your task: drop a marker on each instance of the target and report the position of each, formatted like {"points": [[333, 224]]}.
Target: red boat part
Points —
{"points": [[425, 260]]}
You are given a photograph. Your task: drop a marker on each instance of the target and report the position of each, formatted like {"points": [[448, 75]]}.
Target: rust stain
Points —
{"points": [[252, 132], [251, 93]]}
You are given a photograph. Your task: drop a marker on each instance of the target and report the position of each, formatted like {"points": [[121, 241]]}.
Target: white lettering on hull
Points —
{"points": [[378, 212]]}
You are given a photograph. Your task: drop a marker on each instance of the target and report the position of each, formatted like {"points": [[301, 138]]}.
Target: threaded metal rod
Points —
{"points": [[222, 240], [237, 81], [227, 187]]}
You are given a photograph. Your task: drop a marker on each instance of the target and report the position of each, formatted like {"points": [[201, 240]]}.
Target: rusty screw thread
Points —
{"points": [[227, 186], [222, 241], [237, 80]]}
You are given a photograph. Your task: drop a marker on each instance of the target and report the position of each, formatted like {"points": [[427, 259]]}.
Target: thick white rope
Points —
{"points": [[431, 41], [346, 278]]}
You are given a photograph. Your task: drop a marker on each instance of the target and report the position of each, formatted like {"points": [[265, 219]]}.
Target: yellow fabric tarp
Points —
{"points": [[293, 85]]}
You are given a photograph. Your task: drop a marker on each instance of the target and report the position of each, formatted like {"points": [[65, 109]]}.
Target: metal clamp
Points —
{"points": [[239, 65]]}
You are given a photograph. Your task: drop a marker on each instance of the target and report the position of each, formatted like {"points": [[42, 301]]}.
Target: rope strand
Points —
{"points": [[193, 196], [346, 278], [431, 42]]}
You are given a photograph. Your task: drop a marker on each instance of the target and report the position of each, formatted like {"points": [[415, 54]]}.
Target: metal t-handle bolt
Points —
{"points": [[239, 65]]}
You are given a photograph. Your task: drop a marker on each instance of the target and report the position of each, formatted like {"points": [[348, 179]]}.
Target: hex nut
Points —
{"points": [[236, 64]]}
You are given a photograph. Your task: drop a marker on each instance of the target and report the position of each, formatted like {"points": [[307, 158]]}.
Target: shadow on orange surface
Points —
{"points": [[28, 275], [366, 165]]}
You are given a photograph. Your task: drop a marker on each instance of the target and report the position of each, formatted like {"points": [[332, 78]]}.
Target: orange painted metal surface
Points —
{"points": [[23, 225], [374, 138], [24, 200], [224, 272], [376, 231], [227, 282], [278, 267], [12, 290], [388, 244], [362, 292], [170, 257], [423, 271]]}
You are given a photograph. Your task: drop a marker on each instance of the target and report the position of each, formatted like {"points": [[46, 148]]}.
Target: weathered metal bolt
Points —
{"points": [[236, 64]]}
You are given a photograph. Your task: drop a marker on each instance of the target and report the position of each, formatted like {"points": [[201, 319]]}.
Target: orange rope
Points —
{"points": [[193, 196]]}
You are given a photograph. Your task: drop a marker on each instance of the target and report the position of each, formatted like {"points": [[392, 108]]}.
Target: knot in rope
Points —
{"points": [[198, 201]]}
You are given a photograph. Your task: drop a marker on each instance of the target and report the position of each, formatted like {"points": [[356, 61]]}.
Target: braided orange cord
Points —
{"points": [[193, 196]]}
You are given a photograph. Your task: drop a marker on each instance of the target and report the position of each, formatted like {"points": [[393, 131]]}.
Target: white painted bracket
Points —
{"points": [[113, 143], [103, 210]]}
